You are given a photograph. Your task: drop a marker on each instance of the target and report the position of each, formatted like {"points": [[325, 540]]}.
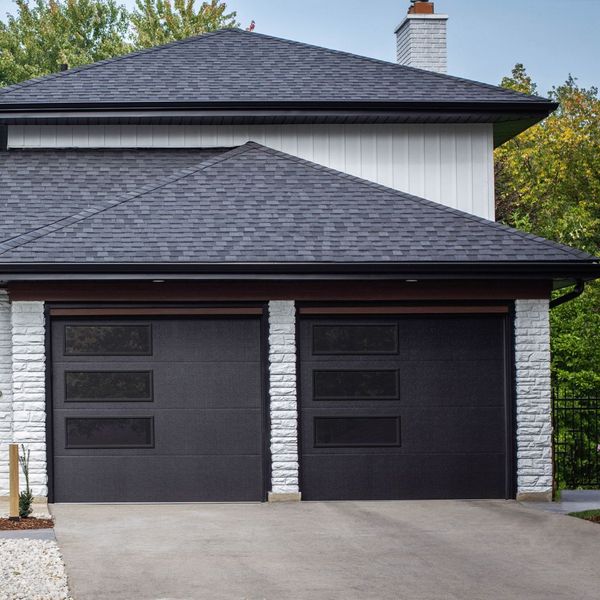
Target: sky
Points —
{"points": [[486, 38]]}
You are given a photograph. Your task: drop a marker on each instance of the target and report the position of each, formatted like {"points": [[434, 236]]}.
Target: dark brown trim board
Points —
{"points": [[278, 290], [144, 311], [402, 310]]}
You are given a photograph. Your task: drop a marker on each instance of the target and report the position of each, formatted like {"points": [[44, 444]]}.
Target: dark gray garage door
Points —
{"points": [[405, 407], [157, 410]]}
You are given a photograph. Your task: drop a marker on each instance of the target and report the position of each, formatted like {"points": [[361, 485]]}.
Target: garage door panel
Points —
{"points": [[383, 477], [214, 340], [180, 432], [444, 383], [451, 338], [432, 383], [449, 429], [170, 384], [454, 429], [187, 399], [445, 388], [135, 478]]}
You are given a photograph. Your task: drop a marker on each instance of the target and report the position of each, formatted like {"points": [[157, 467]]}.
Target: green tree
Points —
{"points": [[42, 35], [548, 183], [158, 22]]}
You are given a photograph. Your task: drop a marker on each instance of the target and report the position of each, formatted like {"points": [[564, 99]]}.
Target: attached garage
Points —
{"points": [[161, 409], [406, 406]]}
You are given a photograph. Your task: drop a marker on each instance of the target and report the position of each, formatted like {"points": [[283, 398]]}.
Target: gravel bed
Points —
{"points": [[32, 570]]}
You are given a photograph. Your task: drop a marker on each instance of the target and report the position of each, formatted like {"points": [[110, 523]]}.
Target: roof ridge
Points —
{"points": [[427, 202], [36, 234], [31, 82]]}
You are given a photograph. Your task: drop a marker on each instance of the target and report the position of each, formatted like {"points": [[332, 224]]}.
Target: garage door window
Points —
{"points": [[356, 385], [110, 340], [355, 339], [339, 432], [108, 432], [108, 386]]}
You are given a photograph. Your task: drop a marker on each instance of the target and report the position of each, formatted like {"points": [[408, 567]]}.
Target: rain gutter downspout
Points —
{"points": [[575, 293]]}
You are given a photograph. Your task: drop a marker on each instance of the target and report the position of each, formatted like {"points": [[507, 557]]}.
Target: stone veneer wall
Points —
{"points": [[29, 388], [533, 400], [283, 400]]}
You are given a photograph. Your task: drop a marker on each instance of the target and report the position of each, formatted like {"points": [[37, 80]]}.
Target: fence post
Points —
{"points": [[13, 467]]}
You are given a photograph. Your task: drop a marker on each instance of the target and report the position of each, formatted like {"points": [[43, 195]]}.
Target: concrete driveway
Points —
{"points": [[438, 550]]}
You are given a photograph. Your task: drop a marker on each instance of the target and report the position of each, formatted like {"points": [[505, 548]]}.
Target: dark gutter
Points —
{"points": [[530, 107], [579, 289], [584, 270]]}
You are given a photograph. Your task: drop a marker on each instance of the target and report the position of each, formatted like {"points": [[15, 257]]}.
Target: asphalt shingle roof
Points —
{"points": [[253, 204], [38, 187], [235, 66]]}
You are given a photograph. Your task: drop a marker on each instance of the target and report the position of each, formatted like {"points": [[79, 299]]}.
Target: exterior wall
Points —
{"points": [[533, 399], [283, 400], [22, 408], [451, 164], [5, 389], [421, 42], [29, 388]]}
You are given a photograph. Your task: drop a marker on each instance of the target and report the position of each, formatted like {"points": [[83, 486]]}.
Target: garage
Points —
{"points": [[410, 406], [161, 409]]}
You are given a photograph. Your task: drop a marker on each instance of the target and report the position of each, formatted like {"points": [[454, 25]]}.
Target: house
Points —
{"points": [[240, 268]]}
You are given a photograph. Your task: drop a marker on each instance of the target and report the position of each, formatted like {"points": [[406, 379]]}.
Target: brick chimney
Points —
{"points": [[421, 38]]}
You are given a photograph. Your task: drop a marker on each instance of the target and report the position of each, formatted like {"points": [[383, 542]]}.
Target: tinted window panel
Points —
{"points": [[98, 340], [355, 385], [357, 431], [111, 386], [355, 339], [106, 432]]}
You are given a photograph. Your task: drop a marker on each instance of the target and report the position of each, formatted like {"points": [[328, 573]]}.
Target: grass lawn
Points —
{"points": [[588, 515]]}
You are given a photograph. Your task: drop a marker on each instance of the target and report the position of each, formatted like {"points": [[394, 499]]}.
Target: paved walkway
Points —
{"points": [[572, 501], [444, 550]]}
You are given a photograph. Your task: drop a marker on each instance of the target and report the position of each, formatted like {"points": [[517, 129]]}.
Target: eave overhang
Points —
{"points": [[509, 118], [561, 273]]}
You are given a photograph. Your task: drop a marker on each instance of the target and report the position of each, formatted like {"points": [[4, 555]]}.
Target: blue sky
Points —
{"points": [[486, 38]]}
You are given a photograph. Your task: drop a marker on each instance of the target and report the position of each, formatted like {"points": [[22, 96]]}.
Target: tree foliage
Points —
{"points": [[548, 183], [160, 21], [43, 35]]}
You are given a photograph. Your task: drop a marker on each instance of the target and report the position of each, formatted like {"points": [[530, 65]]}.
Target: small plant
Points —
{"points": [[25, 497]]}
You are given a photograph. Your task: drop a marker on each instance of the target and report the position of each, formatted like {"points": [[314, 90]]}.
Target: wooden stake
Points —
{"points": [[13, 467]]}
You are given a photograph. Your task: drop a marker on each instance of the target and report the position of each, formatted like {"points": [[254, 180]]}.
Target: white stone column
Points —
{"points": [[533, 400], [283, 401], [5, 389], [29, 388]]}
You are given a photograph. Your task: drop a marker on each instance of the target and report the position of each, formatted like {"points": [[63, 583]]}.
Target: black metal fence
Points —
{"points": [[576, 419]]}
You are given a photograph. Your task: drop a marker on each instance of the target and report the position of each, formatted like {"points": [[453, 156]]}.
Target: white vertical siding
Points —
{"points": [[450, 164]]}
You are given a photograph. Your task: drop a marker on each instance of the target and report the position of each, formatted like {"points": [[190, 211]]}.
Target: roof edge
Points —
{"points": [[567, 269], [543, 106]]}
